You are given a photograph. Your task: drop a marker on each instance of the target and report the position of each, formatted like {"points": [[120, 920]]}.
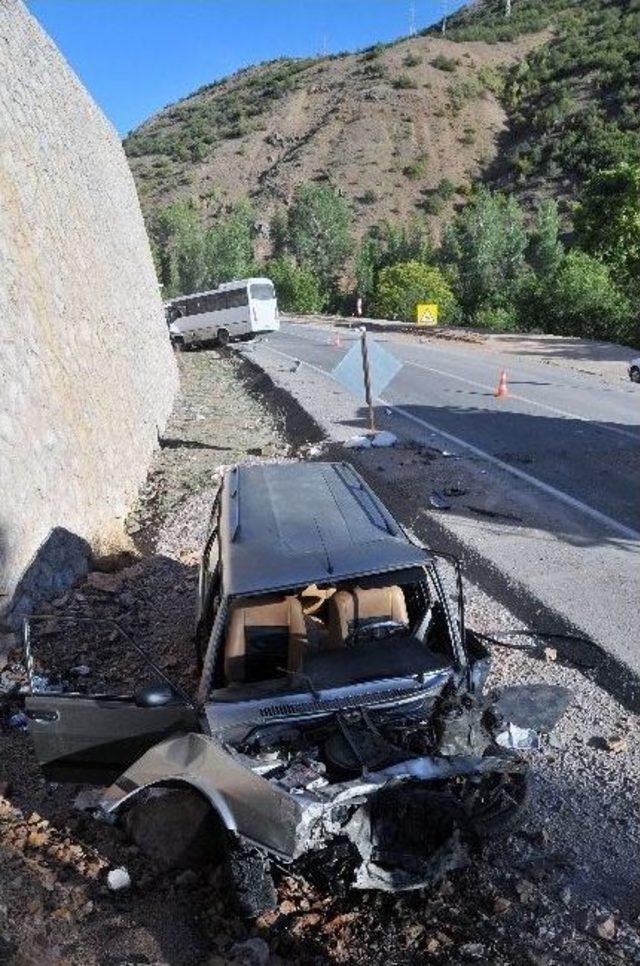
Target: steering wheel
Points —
{"points": [[373, 630]]}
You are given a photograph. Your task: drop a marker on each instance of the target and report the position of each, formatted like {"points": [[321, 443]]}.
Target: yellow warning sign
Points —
{"points": [[427, 313]]}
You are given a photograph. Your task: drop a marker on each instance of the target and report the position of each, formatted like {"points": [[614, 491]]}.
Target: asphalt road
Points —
{"points": [[563, 429], [561, 453]]}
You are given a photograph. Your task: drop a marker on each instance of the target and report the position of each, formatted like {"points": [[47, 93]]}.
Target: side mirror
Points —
{"points": [[155, 696]]}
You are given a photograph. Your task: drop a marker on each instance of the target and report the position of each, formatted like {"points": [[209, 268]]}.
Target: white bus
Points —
{"points": [[235, 310]]}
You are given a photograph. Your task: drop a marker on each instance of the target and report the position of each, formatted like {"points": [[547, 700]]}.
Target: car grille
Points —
{"points": [[339, 704]]}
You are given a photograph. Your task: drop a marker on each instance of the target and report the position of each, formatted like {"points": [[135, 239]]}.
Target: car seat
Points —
{"points": [[347, 608], [264, 635]]}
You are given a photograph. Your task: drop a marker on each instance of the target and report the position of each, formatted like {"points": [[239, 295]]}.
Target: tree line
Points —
{"points": [[490, 270]]}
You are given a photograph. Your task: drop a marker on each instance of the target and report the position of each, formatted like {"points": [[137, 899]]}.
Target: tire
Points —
{"points": [[249, 880], [177, 828], [634, 374], [223, 337], [499, 804], [178, 345]]}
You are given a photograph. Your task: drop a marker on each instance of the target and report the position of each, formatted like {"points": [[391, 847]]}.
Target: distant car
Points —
{"points": [[340, 726], [634, 369]]}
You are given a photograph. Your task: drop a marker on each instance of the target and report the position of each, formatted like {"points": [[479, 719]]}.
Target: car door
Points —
{"points": [[95, 738]]}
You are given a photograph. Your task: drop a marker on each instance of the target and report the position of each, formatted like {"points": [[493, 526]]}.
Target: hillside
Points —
{"points": [[534, 103], [385, 127]]}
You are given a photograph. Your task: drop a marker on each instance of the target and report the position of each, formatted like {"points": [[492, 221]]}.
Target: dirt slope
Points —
{"points": [[385, 127]]}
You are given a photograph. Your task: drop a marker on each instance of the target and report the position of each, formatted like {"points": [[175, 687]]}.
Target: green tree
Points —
{"points": [[229, 246], [178, 245], [297, 288], [387, 244], [317, 232], [486, 244], [400, 287], [607, 221], [580, 299], [545, 248]]}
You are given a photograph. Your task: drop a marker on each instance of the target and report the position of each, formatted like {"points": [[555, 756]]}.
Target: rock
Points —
{"points": [[550, 654], [566, 896], [287, 907], [501, 905], [472, 951], [432, 945], [413, 932], [384, 438], [605, 928], [5, 789], [615, 743], [251, 952], [106, 582], [80, 671], [186, 878], [357, 442], [525, 890], [118, 879]]}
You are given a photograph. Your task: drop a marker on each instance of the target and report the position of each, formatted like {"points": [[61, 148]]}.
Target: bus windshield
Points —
{"points": [[262, 290]]}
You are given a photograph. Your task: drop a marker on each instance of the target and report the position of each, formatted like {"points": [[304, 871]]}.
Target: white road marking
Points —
{"points": [[491, 389], [526, 399], [560, 495]]}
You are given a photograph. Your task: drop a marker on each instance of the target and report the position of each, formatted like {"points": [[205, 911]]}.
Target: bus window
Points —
{"points": [[262, 290], [237, 297]]}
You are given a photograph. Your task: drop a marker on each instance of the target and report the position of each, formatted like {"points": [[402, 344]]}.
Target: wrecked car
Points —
{"points": [[340, 712]]}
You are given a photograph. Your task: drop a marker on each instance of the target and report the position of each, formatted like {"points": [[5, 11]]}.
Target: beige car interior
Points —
{"points": [[314, 619]]}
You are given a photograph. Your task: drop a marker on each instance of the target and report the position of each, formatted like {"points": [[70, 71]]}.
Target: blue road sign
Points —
{"points": [[382, 368]]}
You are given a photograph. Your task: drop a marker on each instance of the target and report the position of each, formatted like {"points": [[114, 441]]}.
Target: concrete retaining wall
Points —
{"points": [[87, 376]]}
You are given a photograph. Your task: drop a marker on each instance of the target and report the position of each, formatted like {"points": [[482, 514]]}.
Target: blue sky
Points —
{"points": [[135, 56]]}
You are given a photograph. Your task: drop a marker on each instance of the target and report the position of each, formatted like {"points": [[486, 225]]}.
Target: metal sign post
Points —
{"points": [[367, 379]]}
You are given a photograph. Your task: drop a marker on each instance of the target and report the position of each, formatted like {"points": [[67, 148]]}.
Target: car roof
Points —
{"points": [[290, 524]]}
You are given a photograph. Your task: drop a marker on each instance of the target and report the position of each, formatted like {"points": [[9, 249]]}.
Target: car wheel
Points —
{"points": [[634, 374], [249, 879], [497, 804], [223, 337], [178, 345], [177, 828]]}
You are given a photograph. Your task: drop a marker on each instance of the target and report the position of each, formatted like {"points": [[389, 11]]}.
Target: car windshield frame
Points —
{"points": [[299, 682]]}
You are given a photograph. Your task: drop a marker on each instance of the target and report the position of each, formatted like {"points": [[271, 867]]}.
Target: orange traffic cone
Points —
{"points": [[502, 385]]}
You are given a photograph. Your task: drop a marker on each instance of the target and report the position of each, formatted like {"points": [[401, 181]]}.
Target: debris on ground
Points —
{"points": [[566, 892], [118, 879]]}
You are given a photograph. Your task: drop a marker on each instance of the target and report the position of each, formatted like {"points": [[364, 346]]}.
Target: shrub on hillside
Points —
{"points": [[581, 299], [297, 288], [447, 64], [498, 318], [608, 220], [399, 288], [486, 243], [415, 169], [404, 82], [316, 230]]}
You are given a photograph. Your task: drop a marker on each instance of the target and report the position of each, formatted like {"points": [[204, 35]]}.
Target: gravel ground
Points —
{"points": [[564, 890]]}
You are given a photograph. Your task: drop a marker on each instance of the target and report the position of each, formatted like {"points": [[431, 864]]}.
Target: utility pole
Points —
{"points": [[445, 14], [412, 19]]}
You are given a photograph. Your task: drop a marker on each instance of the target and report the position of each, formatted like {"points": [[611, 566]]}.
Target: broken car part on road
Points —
{"points": [[340, 709]]}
